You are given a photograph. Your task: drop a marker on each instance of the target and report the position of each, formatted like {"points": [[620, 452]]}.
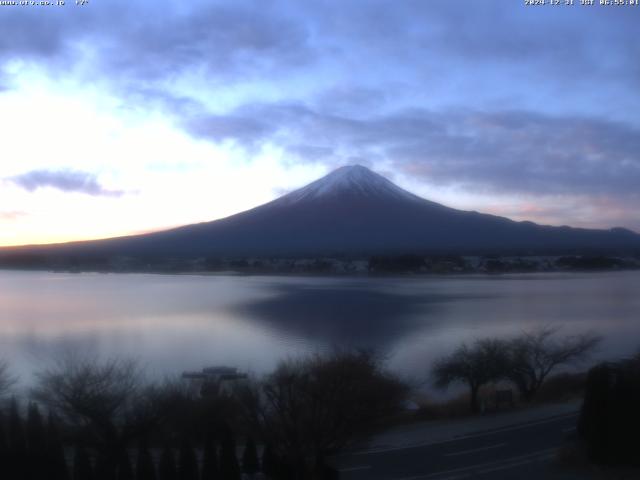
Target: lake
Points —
{"points": [[173, 323]]}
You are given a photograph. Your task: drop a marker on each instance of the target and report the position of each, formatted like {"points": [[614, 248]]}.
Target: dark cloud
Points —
{"points": [[355, 45], [244, 130], [311, 153], [28, 34], [495, 32], [64, 180], [357, 62], [343, 99], [489, 95], [128, 43], [294, 125], [527, 152], [504, 151], [219, 42], [144, 96]]}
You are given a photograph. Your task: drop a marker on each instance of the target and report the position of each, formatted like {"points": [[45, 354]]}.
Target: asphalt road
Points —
{"points": [[521, 451]]}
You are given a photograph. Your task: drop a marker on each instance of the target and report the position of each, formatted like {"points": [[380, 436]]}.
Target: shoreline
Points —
{"points": [[330, 274]]}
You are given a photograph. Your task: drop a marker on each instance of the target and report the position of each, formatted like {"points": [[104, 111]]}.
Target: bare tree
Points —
{"points": [[104, 399], [482, 362], [314, 406], [535, 354], [88, 390]]}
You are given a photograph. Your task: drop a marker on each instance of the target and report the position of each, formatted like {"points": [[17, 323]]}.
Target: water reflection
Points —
{"points": [[352, 316], [174, 323]]}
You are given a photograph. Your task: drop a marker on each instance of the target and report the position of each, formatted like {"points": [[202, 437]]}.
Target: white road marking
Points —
{"points": [[487, 467], [463, 437], [474, 450], [354, 469], [509, 465]]}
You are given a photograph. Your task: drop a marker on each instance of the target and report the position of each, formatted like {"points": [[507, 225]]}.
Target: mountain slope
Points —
{"points": [[353, 211]]}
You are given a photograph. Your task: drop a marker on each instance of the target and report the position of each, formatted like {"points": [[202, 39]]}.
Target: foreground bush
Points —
{"points": [[116, 425], [610, 416], [315, 406]]}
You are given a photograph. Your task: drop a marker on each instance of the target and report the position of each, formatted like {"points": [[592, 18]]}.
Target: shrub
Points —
{"points": [[610, 418]]}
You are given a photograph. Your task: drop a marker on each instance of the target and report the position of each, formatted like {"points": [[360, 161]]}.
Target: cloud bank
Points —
{"points": [[503, 151], [490, 97], [65, 181]]}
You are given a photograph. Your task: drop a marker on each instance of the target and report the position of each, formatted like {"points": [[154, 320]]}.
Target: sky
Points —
{"points": [[120, 117]]}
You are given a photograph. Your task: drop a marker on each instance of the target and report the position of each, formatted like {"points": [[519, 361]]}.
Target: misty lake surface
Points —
{"points": [[173, 323]]}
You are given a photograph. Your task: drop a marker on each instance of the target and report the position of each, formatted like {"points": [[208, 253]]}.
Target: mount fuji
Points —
{"points": [[351, 211]]}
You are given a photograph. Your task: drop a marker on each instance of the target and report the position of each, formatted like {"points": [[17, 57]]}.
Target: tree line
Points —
{"points": [[106, 422], [93, 419]]}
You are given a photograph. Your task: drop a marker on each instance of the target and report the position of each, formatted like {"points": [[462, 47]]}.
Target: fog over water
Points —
{"points": [[176, 322]]}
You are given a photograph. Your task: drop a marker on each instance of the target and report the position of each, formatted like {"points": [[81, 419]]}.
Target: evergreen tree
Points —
{"points": [[36, 444], [106, 466], [188, 463], [145, 468], [82, 468], [250, 464], [210, 460], [270, 463], [36, 439], [325, 471], [17, 464], [4, 446], [56, 461], [229, 468], [17, 443], [276, 467], [125, 471], [167, 468]]}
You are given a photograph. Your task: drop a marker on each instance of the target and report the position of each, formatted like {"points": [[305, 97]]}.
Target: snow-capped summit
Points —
{"points": [[351, 180]]}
